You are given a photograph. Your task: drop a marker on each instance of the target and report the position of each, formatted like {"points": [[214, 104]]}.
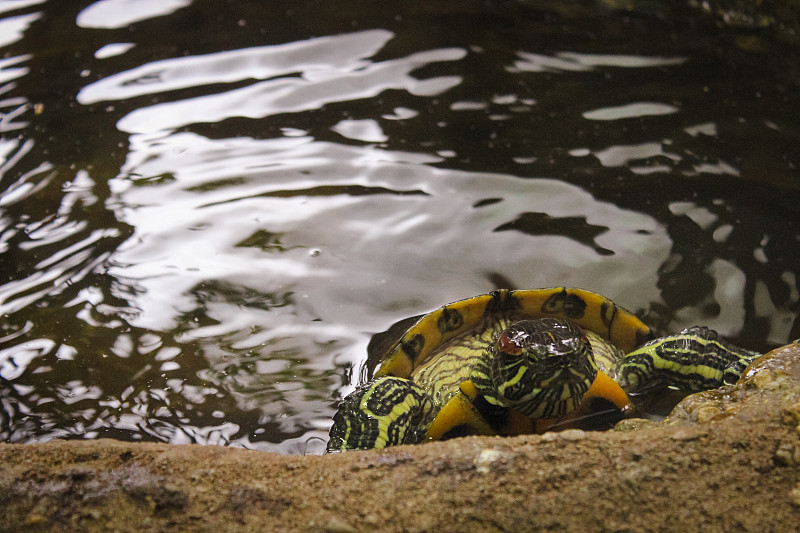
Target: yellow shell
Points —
{"points": [[587, 309]]}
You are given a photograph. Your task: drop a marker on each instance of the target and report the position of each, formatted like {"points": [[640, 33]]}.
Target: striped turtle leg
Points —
{"points": [[696, 359], [384, 412]]}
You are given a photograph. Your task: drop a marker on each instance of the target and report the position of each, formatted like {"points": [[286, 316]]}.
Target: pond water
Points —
{"points": [[208, 208]]}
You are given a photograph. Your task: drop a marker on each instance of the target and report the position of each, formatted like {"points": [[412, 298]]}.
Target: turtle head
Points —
{"points": [[541, 368]]}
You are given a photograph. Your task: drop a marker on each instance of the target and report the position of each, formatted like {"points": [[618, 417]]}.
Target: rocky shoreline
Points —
{"points": [[725, 460]]}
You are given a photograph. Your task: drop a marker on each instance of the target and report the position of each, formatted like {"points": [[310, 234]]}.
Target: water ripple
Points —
{"points": [[291, 95], [208, 208], [312, 57], [121, 13]]}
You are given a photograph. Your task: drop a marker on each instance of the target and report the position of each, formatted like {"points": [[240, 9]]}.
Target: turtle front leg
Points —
{"points": [[384, 412], [695, 360]]}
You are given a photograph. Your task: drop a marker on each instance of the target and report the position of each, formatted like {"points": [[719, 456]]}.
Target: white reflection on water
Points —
{"points": [[622, 155], [11, 5], [621, 60], [121, 13], [575, 62], [637, 109], [706, 128], [366, 130], [13, 28], [55, 272], [299, 76], [14, 361], [701, 216], [291, 95], [339, 53], [730, 285], [9, 71], [113, 49]]}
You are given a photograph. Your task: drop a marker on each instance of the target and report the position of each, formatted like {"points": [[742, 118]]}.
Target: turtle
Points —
{"points": [[524, 361]]}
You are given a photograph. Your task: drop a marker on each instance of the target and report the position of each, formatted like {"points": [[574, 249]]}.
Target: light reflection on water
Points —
{"points": [[121, 13], [300, 77], [252, 214]]}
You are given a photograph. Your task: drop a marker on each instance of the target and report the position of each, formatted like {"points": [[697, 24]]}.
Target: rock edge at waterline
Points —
{"points": [[725, 460]]}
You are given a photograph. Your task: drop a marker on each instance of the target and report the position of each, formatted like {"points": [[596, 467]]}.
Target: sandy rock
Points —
{"points": [[726, 460]]}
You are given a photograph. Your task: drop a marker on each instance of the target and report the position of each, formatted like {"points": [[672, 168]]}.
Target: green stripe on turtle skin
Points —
{"points": [[536, 401], [696, 359], [546, 381], [606, 355], [384, 412]]}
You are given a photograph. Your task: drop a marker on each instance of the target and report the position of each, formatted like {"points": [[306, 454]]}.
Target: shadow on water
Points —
{"points": [[207, 209]]}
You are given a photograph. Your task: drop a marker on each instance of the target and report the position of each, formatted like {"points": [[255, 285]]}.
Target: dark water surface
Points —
{"points": [[207, 208]]}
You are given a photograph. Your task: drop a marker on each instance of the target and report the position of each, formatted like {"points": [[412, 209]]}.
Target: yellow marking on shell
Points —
{"points": [[598, 314], [397, 362], [460, 411], [601, 315]]}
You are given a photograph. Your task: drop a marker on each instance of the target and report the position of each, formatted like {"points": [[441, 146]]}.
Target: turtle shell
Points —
{"points": [[456, 370], [474, 317]]}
